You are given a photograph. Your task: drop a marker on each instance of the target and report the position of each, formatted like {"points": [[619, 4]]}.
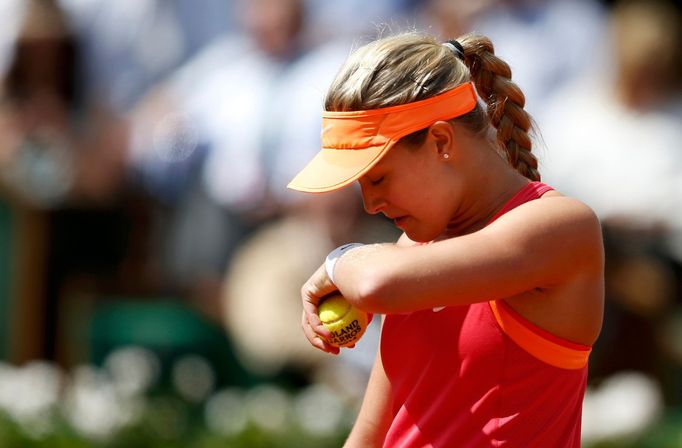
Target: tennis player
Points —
{"points": [[493, 295]]}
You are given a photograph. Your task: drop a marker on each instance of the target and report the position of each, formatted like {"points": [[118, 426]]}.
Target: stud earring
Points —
{"points": [[446, 156]]}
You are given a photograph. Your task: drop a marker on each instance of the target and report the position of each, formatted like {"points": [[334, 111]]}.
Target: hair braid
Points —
{"points": [[505, 100]]}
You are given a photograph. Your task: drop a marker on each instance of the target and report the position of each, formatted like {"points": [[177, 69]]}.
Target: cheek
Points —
{"points": [[433, 199], [421, 199]]}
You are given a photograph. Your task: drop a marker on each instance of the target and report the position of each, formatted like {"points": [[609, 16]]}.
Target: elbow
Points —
{"points": [[372, 292]]}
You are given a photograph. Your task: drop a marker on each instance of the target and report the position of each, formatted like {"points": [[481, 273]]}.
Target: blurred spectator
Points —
{"points": [[199, 142], [541, 39], [613, 141], [55, 148], [60, 170], [614, 137], [626, 124], [248, 115], [37, 114], [353, 19], [11, 19], [130, 45]]}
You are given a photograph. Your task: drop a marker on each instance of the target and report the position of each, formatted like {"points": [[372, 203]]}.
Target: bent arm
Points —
{"points": [[374, 417], [542, 244]]}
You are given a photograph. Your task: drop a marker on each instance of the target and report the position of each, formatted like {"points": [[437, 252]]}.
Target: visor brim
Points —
{"points": [[332, 169]]}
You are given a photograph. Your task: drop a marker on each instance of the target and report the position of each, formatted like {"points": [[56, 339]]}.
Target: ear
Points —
{"points": [[442, 137]]}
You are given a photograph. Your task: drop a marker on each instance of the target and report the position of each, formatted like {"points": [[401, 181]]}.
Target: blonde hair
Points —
{"points": [[410, 67]]}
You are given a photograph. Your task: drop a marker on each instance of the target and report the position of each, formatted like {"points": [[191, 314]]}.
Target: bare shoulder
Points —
{"points": [[555, 213], [570, 212], [574, 224], [565, 210]]}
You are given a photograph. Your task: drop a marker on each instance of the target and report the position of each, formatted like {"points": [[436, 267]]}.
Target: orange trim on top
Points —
{"points": [[547, 348]]}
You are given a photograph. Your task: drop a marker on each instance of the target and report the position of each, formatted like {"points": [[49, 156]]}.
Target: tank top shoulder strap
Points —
{"points": [[531, 191]]}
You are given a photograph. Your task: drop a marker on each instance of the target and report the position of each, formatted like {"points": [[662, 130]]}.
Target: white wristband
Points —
{"points": [[334, 256]]}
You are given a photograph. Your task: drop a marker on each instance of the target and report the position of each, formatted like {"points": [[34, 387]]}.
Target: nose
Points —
{"points": [[372, 202]]}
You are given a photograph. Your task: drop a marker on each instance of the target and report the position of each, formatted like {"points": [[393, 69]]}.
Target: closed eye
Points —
{"points": [[376, 182]]}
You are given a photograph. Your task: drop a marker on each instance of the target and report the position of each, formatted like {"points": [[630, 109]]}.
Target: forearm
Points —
{"points": [[365, 275], [490, 264], [374, 417], [364, 435], [387, 278]]}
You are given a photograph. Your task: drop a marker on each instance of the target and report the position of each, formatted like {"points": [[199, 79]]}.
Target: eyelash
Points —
{"points": [[377, 182]]}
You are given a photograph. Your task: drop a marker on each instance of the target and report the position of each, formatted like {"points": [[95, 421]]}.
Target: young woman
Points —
{"points": [[493, 295]]}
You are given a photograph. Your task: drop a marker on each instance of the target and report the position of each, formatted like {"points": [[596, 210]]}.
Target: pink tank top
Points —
{"points": [[482, 376]]}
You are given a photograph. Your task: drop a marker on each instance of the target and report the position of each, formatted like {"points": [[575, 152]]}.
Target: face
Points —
{"points": [[415, 187]]}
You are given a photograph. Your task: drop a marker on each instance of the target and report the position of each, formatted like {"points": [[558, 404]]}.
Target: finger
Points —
{"points": [[315, 339], [310, 310], [330, 348], [312, 337], [318, 327]]}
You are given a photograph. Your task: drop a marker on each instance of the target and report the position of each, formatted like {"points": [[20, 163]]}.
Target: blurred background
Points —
{"points": [[151, 256]]}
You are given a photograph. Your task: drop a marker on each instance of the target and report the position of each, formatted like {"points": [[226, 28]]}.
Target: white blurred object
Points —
{"points": [[353, 18], [128, 45], [133, 369], [542, 44], [193, 377], [30, 394], [623, 406], [94, 407], [225, 412], [538, 39], [42, 170], [622, 163], [12, 14], [175, 137], [319, 410], [613, 140], [268, 407], [264, 317], [297, 111], [260, 116]]}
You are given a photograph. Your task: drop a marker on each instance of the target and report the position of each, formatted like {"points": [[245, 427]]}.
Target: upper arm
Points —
{"points": [[545, 244], [541, 244]]}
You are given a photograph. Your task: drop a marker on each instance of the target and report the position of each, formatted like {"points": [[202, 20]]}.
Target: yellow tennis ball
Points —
{"points": [[346, 323]]}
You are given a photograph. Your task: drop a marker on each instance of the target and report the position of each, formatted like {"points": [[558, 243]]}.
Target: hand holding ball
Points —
{"points": [[346, 323]]}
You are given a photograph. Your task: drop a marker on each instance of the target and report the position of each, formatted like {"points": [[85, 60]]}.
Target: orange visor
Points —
{"points": [[353, 142]]}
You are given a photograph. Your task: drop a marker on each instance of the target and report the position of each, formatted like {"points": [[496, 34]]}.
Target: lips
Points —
{"points": [[399, 221]]}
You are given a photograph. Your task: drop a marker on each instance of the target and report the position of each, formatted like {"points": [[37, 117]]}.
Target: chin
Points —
{"points": [[421, 236]]}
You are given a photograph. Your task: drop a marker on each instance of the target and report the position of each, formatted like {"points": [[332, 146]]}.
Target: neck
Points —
{"points": [[484, 199]]}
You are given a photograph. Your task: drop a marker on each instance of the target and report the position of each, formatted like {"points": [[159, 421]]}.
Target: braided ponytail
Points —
{"points": [[492, 77]]}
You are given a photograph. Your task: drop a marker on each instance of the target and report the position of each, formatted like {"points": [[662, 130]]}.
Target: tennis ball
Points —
{"points": [[346, 323]]}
